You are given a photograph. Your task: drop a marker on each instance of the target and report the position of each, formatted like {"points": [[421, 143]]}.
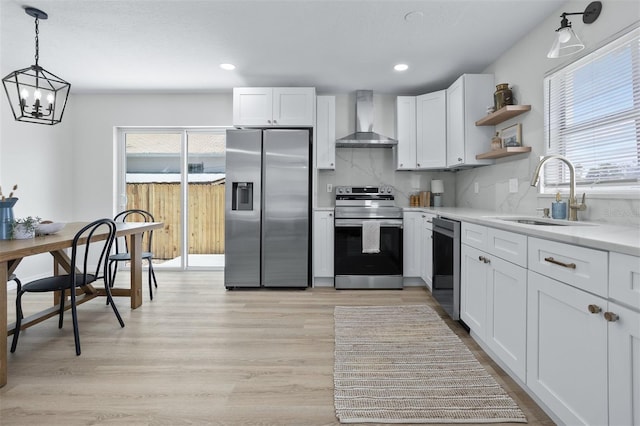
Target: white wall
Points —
{"points": [[97, 115], [39, 159], [524, 67]]}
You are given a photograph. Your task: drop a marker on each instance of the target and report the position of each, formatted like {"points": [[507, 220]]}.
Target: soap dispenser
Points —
{"points": [[558, 208]]}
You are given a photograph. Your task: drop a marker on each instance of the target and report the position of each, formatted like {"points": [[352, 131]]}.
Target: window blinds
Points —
{"points": [[592, 117]]}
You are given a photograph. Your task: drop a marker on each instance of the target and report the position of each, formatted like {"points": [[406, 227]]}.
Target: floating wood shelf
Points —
{"points": [[503, 114], [503, 152]]}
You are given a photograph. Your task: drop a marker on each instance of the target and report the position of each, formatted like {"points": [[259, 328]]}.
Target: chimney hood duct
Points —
{"points": [[365, 137]]}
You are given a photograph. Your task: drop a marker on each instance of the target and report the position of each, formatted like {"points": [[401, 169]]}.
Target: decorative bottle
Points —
{"points": [[502, 96], [558, 208], [496, 142]]}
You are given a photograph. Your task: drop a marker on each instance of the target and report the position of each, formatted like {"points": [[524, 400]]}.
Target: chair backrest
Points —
{"points": [[135, 215], [93, 248]]}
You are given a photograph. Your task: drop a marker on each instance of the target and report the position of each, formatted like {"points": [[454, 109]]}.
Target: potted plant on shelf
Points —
{"points": [[25, 227]]}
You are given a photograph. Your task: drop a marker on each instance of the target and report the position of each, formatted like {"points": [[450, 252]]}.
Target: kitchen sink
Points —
{"points": [[539, 221]]}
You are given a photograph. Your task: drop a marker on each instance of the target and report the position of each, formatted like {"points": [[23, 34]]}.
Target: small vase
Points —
{"points": [[6, 217], [20, 232]]}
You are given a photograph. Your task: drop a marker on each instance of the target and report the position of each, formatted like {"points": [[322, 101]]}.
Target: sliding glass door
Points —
{"points": [[177, 175]]}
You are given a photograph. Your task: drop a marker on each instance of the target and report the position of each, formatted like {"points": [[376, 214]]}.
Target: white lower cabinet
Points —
{"points": [[506, 331], [323, 244], [624, 365], [473, 289], [411, 244], [426, 264], [564, 319], [567, 350], [493, 305]]}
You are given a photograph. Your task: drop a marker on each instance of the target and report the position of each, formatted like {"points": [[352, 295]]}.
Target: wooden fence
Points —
{"points": [[206, 216]]}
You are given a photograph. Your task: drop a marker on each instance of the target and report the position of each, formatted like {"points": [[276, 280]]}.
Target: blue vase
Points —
{"points": [[6, 217]]}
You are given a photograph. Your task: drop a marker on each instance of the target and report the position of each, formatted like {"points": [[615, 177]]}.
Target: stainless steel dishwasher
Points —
{"points": [[446, 265]]}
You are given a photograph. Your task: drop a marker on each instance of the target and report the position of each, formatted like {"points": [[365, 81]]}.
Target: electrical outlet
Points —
{"points": [[329, 187], [513, 185], [476, 187]]}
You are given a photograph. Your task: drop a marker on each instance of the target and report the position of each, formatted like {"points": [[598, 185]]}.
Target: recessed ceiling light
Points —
{"points": [[228, 67], [401, 67]]}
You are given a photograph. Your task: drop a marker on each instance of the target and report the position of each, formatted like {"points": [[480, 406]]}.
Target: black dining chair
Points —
{"points": [[84, 251], [122, 253]]}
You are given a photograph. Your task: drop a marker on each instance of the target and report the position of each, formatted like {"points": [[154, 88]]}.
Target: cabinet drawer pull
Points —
{"points": [[557, 262], [594, 309], [611, 317]]}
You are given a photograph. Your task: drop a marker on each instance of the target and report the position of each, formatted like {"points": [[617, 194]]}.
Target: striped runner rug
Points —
{"points": [[402, 364]]}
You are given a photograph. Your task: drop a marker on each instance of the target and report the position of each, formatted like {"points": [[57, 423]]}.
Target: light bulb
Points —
{"points": [[564, 35], [50, 98], [401, 67], [24, 94], [37, 95]]}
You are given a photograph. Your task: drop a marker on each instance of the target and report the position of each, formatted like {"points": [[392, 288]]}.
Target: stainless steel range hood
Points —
{"points": [[365, 137]]}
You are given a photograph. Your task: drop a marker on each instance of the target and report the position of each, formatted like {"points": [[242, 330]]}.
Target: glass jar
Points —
{"points": [[503, 96]]}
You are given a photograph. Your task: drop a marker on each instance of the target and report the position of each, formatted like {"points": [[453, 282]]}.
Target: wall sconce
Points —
{"points": [[567, 42], [35, 94]]}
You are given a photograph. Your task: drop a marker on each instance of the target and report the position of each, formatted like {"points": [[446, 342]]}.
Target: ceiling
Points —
{"points": [[335, 46]]}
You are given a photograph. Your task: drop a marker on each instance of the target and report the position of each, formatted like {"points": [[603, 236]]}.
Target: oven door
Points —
{"points": [[355, 269]]}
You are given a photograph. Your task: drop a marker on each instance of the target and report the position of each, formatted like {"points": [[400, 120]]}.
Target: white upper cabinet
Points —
{"points": [[467, 99], [326, 132], [431, 130], [421, 131], [406, 132], [274, 106]]}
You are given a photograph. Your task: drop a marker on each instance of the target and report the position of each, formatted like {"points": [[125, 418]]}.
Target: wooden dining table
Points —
{"points": [[13, 251]]}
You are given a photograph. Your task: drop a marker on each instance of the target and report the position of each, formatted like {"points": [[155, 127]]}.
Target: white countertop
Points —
{"points": [[601, 236]]}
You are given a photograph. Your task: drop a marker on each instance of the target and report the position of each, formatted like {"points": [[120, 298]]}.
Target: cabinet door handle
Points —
{"points": [[557, 262], [330, 214], [459, 159], [418, 164], [331, 164], [484, 259], [611, 317], [594, 309], [269, 121], [275, 122]]}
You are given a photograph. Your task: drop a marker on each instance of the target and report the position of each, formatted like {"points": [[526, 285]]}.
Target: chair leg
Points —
{"points": [[150, 287], [153, 273], [74, 316], [19, 317], [18, 288], [113, 305], [61, 310]]}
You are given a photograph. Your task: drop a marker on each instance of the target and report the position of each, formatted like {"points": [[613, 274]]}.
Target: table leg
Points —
{"points": [[136, 270], [4, 273]]}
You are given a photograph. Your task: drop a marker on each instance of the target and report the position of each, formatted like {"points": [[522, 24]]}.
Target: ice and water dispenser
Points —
{"points": [[242, 198]]}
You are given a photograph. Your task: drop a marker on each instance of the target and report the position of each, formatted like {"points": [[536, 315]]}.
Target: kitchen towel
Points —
{"points": [[371, 236]]}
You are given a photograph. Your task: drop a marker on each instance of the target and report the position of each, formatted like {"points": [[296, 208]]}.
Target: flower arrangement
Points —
{"points": [[3, 198], [25, 227]]}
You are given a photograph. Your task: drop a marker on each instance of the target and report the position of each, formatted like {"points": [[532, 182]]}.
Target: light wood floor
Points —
{"points": [[196, 354]]}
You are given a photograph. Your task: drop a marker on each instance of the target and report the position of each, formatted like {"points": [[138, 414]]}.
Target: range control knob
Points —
{"points": [[348, 190], [339, 190]]}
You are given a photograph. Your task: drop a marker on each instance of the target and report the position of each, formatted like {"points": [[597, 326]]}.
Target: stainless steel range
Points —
{"points": [[368, 238]]}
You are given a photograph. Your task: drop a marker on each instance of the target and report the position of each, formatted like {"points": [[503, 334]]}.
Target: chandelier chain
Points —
{"points": [[37, 42]]}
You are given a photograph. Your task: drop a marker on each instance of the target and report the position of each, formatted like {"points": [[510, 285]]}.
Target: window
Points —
{"points": [[592, 117]]}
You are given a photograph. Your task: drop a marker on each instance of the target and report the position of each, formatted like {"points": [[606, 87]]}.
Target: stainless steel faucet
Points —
{"points": [[574, 206]]}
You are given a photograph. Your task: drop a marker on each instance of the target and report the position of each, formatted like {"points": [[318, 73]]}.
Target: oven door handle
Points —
{"points": [[444, 231], [357, 223]]}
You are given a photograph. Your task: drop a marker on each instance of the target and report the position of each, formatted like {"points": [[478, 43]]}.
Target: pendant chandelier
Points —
{"points": [[35, 94]]}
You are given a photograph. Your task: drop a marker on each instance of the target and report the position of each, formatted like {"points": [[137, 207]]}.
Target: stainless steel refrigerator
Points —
{"points": [[267, 209]]}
